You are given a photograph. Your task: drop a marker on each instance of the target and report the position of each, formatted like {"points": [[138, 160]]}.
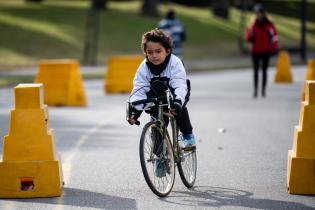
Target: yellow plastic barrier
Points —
{"points": [[283, 69], [301, 159], [30, 166], [62, 81], [310, 75], [120, 73]]}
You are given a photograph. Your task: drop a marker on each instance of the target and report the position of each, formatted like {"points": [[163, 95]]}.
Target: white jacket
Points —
{"points": [[175, 71]]}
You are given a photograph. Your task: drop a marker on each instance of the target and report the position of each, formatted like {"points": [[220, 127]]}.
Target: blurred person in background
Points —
{"points": [[263, 37], [175, 29]]}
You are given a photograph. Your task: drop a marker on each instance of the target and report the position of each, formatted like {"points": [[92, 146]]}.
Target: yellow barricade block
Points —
{"points": [[120, 73], [301, 159], [62, 81], [310, 75], [30, 166], [283, 69]]}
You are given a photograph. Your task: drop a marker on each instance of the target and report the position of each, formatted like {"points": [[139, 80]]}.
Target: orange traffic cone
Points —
{"points": [[120, 73], [283, 68], [310, 75], [30, 166], [301, 159], [62, 81]]}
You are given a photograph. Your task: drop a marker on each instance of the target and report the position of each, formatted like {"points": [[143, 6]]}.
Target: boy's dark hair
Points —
{"points": [[157, 36]]}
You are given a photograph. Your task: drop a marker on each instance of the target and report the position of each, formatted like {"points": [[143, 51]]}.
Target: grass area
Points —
{"points": [[15, 80], [55, 29], [30, 32]]}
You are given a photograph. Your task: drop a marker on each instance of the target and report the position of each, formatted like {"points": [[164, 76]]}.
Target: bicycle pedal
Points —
{"points": [[189, 149]]}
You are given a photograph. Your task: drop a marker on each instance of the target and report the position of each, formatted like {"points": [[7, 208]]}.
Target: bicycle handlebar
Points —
{"points": [[148, 100], [145, 101]]}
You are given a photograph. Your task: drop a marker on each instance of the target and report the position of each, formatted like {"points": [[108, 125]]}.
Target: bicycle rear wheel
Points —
{"points": [[187, 167], [153, 151]]}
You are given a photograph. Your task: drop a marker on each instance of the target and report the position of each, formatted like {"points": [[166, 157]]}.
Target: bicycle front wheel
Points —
{"points": [[187, 167], [157, 160]]}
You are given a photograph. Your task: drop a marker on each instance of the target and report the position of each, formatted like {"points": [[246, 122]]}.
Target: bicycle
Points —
{"points": [[167, 152]]}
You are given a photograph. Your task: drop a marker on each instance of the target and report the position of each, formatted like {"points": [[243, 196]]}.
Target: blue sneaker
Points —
{"points": [[188, 141], [159, 168]]}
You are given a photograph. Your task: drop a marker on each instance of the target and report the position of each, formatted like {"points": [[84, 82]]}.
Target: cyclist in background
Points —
{"points": [[175, 29]]}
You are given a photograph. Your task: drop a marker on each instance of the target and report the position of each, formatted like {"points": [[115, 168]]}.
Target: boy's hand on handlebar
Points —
{"points": [[132, 120], [176, 107], [173, 112], [133, 117]]}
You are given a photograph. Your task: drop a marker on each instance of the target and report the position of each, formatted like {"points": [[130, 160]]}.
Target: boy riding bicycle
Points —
{"points": [[162, 66]]}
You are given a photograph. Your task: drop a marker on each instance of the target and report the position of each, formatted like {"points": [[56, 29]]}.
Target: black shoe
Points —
{"points": [[255, 95], [263, 94]]}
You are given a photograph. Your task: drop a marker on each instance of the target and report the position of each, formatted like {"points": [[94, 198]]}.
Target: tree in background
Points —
{"points": [[99, 4], [92, 32], [220, 8], [149, 8]]}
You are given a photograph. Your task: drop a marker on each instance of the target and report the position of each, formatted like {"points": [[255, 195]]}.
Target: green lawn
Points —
{"points": [[55, 29]]}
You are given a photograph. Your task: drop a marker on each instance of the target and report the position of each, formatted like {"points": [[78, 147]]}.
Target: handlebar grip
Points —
{"points": [[137, 122], [144, 101]]}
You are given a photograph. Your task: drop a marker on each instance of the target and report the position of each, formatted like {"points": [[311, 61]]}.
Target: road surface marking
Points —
{"points": [[67, 164]]}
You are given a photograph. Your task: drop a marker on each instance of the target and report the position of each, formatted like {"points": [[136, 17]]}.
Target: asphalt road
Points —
{"points": [[242, 148]]}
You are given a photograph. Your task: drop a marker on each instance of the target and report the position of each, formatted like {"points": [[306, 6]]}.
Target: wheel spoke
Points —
{"points": [[159, 185], [188, 168], [148, 150]]}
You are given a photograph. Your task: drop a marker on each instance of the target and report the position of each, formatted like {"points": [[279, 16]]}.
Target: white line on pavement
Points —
{"points": [[67, 165]]}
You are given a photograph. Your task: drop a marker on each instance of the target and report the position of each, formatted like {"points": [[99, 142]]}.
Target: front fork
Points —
{"points": [[177, 151]]}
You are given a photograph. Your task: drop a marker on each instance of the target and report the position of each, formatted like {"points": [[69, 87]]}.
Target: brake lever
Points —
{"points": [[169, 98]]}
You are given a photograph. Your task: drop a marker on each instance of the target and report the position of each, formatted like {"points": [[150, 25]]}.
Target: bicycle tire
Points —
{"points": [[188, 177], [151, 179]]}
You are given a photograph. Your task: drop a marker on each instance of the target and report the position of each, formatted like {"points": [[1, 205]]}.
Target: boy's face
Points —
{"points": [[156, 53]]}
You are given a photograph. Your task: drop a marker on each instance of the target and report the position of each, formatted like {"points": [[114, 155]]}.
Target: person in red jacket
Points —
{"points": [[264, 40]]}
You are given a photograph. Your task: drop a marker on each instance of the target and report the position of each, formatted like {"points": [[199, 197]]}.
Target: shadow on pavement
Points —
{"points": [[206, 196], [85, 198]]}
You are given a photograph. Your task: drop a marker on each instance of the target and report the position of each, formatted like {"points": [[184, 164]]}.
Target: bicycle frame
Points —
{"points": [[174, 139], [160, 121]]}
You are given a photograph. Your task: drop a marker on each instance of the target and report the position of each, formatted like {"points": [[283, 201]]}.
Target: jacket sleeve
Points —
{"points": [[249, 34], [178, 81], [141, 85], [274, 40], [273, 33]]}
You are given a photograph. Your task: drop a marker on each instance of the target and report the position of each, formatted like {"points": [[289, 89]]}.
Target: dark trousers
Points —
{"points": [[260, 60], [183, 123], [183, 120]]}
